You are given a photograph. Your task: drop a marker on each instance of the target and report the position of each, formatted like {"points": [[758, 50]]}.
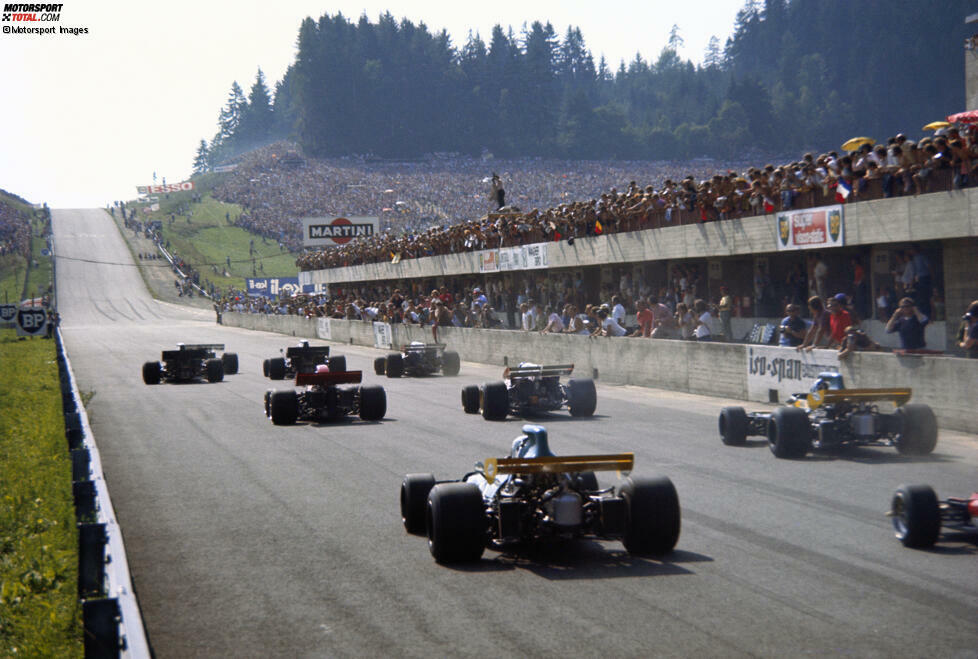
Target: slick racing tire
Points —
{"points": [[733, 426], [264, 367], [918, 429], [494, 401], [284, 407], [380, 366], [916, 516], [582, 398], [451, 364], [214, 369], [653, 518], [276, 368], [414, 500], [456, 523], [268, 404], [395, 365], [152, 372], [230, 361], [789, 433], [336, 364], [470, 399], [373, 403]]}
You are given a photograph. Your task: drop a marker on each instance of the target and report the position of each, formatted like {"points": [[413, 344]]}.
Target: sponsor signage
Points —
{"points": [[382, 335], [336, 231], [8, 314], [31, 321], [169, 187], [785, 370], [489, 261], [524, 257], [323, 329], [813, 228], [272, 286]]}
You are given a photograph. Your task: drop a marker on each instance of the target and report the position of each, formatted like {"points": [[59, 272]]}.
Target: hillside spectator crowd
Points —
{"points": [[15, 231]]}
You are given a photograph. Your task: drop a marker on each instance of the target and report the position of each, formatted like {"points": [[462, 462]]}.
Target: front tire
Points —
{"points": [[336, 364], [214, 369], [230, 362], [582, 396], [470, 399], [414, 500], [380, 366], [276, 368], [456, 523], [395, 365], [373, 403], [916, 516], [733, 426], [495, 401], [451, 364], [789, 433], [152, 372], [284, 407], [918, 433], [653, 515]]}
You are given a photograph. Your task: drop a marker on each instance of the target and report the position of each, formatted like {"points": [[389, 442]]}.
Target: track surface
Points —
{"points": [[247, 539]]}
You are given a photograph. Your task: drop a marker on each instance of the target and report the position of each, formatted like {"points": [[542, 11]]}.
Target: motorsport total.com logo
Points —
{"points": [[26, 13]]}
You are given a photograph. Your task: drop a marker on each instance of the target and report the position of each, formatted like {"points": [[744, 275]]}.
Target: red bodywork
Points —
{"points": [[973, 505], [325, 379]]}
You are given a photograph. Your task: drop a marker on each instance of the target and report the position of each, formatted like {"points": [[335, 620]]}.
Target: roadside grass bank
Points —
{"points": [[39, 610]]}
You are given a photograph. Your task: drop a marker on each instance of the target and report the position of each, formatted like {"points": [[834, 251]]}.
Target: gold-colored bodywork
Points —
{"points": [[814, 400], [622, 462]]}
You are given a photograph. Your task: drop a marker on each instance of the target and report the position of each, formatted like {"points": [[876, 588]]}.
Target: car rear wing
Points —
{"points": [[898, 396], [327, 378], [307, 351], [553, 370], [428, 347], [209, 347], [564, 464]]}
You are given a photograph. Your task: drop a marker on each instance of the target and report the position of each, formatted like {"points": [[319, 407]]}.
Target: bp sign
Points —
{"points": [[31, 322], [8, 314]]}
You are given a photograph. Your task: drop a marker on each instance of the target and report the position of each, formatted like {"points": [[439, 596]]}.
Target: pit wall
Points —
{"points": [[947, 384]]}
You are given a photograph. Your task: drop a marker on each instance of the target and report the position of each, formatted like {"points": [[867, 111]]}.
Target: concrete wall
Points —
{"points": [[947, 384]]}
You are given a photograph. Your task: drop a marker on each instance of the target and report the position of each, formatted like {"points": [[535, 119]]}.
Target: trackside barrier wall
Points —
{"points": [[947, 384], [111, 618]]}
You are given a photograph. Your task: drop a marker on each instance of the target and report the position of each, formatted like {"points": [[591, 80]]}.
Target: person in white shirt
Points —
{"points": [[554, 322], [617, 310], [609, 326], [703, 321]]}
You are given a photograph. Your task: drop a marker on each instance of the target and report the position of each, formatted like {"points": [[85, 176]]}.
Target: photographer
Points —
{"points": [[968, 334], [909, 322]]}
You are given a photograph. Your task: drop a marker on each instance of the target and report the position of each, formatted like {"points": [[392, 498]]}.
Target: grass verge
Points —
{"points": [[39, 611]]}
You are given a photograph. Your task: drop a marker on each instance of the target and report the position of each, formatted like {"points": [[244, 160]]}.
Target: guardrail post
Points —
{"points": [[100, 620], [73, 430], [84, 495], [91, 560], [80, 464]]}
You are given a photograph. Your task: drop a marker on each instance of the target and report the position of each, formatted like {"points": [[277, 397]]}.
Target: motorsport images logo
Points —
{"points": [[26, 13]]}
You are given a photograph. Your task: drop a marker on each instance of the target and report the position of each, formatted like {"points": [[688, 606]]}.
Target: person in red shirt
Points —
{"points": [[839, 320], [645, 318]]}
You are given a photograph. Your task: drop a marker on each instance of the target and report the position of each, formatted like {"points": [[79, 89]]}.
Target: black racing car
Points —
{"points": [[302, 358], [322, 399], [418, 359], [530, 390], [535, 496], [190, 362]]}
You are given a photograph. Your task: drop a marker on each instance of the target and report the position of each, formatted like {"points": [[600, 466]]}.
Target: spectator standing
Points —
{"points": [[860, 293], [839, 319], [923, 284], [725, 311], [645, 319], [909, 322], [497, 193], [968, 335], [702, 332], [685, 321], [793, 327], [821, 275], [617, 310], [883, 307], [856, 339], [820, 325], [663, 323]]}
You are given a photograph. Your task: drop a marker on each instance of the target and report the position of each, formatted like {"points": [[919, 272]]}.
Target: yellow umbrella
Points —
{"points": [[937, 125], [856, 142]]}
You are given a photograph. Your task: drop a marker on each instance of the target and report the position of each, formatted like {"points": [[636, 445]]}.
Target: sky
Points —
{"points": [[87, 117]]}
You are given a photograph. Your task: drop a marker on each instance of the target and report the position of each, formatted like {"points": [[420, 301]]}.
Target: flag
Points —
{"points": [[768, 205], [842, 190], [598, 229]]}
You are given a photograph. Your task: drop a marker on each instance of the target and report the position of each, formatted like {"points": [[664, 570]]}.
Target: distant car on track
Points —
{"points": [[534, 496], [831, 417], [323, 399], [917, 515], [531, 389], [191, 362], [418, 359], [302, 358]]}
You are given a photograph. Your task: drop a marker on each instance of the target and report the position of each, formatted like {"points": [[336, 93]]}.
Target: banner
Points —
{"points": [[169, 187], [524, 257], [489, 261], [382, 335], [335, 231], [812, 228], [272, 286], [323, 329], [785, 371]]}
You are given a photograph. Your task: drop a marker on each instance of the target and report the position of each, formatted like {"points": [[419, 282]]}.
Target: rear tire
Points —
{"points": [[276, 368], [230, 361], [414, 500], [373, 403], [214, 369], [495, 401], [264, 368], [789, 432], [653, 515], [336, 364], [470, 399], [918, 434], [582, 396], [733, 426], [268, 404], [451, 364], [152, 372], [284, 407], [380, 366], [456, 523], [916, 516], [395, 365]]}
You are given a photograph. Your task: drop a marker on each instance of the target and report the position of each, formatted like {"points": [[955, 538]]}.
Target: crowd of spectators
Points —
{"points": [[15, 231]]}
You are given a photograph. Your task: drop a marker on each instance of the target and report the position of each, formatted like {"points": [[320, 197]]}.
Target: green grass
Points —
{"points": [[39, 612], [207, 241], [40, 279], [13, 267]]}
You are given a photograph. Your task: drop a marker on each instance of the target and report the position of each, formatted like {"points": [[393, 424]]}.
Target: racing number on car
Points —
{"points": [[31, 321]]}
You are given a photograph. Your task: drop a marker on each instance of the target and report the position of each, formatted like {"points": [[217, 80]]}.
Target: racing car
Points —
{"points": [[917, 515], [830, 416], [534, 496], [418, 358], [323, 399], [529, 390], [302, 358], [190, 362]]}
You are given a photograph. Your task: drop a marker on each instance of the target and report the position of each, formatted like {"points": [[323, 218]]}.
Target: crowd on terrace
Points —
{"points": [[15, 231]]}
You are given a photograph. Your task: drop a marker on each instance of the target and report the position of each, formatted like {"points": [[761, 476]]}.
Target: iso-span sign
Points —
{"points": [[336, 231]]}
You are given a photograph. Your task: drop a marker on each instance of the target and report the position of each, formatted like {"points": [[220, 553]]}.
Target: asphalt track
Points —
{"points": [[246, 539]]}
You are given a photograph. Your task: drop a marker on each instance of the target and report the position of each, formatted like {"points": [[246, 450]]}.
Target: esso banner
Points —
{"points": [[169, 187], [336, 231], [810, 229]]}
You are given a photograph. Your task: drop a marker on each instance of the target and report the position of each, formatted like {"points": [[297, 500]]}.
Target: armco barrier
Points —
{"points": [[947, 384]]}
